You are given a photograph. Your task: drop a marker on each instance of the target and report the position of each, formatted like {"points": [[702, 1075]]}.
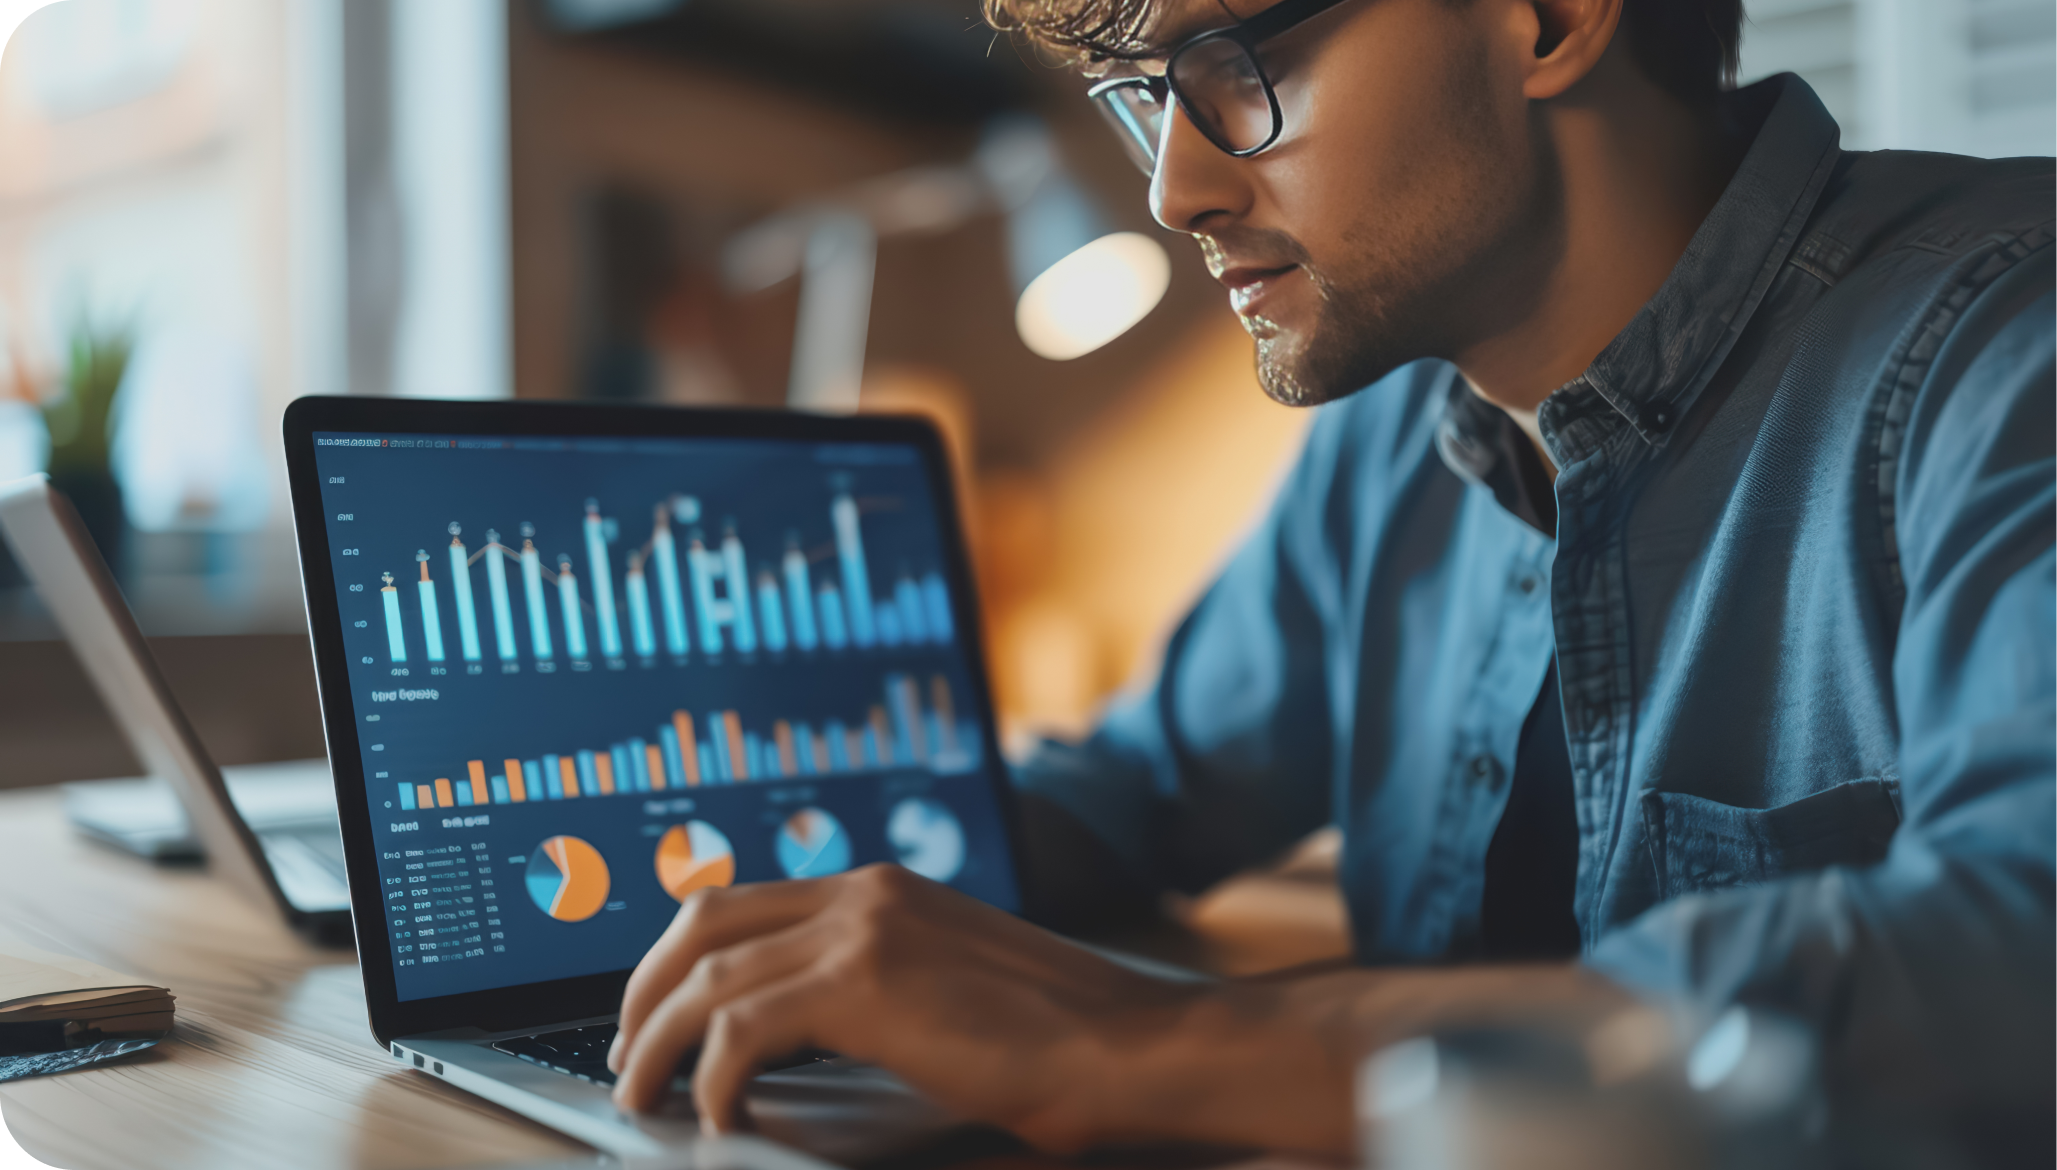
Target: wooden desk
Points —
{"points": [[272, 1062]]}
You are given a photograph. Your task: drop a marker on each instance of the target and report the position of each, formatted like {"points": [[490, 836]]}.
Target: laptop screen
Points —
{"points": [[593, 675]]}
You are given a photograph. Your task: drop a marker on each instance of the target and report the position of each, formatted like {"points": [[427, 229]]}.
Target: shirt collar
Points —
{"points": [[1652, 372]]}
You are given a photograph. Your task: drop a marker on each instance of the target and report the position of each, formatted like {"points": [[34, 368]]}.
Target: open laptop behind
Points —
{"points": [[576, 662], [295, 862]]}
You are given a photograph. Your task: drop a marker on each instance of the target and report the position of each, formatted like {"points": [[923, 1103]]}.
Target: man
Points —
{"points": [[1740, 444]]}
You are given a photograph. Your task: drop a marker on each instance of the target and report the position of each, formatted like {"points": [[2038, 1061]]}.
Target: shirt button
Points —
{"points": [[1658, 418], [1528, 582], [1481, 767]]}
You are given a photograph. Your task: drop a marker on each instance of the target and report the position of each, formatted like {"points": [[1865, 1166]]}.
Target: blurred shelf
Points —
{"points": [[185, 584]]}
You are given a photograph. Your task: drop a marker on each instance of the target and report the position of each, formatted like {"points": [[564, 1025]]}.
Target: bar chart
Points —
{"points": [[665, 596], [904, 729], [713, 660]]}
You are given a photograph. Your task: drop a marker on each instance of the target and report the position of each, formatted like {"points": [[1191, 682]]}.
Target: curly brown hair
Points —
{"points": [[1687, 46]]}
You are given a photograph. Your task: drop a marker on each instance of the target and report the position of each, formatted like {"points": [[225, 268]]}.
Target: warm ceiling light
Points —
{"points": [[1092, 296], [12, 14]]}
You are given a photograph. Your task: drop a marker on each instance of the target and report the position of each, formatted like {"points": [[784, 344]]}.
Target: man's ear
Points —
{"points": [[1573, 36]]}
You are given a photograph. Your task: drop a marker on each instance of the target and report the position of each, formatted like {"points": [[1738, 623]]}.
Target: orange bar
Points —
{"points": [[654, 756], [789, 752], [739, 759], [424, 796], [946, 713], [882, 734], [445, 798], [603, 767], [689, 749], [568, 773], [821, 755], [480, 794], [517, 788], [853, 746]]}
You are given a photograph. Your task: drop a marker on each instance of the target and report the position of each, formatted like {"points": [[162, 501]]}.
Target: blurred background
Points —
{"points": [[211, 207]]}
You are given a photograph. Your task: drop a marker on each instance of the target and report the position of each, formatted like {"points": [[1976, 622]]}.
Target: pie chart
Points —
{"points": [[694, 855], [568, 879], [926, 838], [812, 844]]}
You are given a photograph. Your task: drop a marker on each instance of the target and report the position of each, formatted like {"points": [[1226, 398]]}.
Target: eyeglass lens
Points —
{"points": [[1221, 89], [1137, 114], [1224, 93]]}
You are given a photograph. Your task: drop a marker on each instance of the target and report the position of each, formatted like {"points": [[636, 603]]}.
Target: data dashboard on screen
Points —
{"points": [[594, 675]]}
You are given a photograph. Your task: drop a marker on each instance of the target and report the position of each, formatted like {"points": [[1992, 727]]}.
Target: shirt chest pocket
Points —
{"points": [[1700, 844]]}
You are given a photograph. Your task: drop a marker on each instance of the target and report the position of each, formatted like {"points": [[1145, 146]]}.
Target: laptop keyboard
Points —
{"points": [[582, 1053], [575, 1052]]}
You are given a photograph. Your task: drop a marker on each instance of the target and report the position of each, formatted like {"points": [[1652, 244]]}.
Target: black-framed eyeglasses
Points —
{"points": [[1218, 81]]}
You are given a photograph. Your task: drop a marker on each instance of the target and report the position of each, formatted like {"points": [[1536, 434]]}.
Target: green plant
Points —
{"points": [[80, 418]]}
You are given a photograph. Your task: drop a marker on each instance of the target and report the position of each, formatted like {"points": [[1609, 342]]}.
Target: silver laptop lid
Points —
{"points": [[73, 580]]}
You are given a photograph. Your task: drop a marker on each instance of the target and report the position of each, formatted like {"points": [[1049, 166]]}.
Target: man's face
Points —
{"points": [[1391, 219]]}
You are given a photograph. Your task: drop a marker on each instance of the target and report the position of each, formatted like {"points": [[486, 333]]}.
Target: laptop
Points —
{"points": [[576, 662], [291, 859]]}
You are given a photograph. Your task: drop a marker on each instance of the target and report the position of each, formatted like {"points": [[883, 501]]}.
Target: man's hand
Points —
{"points": [[1002, 1022], [995, 1019]]}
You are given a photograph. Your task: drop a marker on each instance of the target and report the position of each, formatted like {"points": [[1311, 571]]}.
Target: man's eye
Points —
{"points": [[1235, 73]]}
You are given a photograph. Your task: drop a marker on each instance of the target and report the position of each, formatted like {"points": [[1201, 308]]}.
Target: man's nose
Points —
{"points": [[1196, 183]]}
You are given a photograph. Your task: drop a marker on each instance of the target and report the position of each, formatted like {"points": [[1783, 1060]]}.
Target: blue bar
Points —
{"points": [[407, 796], [467, 613], [532, 593], [772, 611], [496, 589], [803, 747], [718, 738], [574, 621], [532, 781], [463, 795], [741, 621], [553, 782], [703, 565], [856, 577], [666, 555], [913, 621], [674, 761], [603, 581], [753, 756], [887, 624], [799, 596], [431, 619], [589, 776], [839, 747], [500, 793], [639, 763], [640, 628], [904, 708], [936, 595], [709, 774], [834, 634], [396, 638], [872, 755], [624, 779]]}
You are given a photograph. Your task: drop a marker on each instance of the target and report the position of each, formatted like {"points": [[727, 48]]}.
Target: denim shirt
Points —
{"points": [[1803, 604]]}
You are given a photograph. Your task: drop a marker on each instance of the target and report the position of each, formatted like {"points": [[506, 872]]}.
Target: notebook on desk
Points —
{"points": [[577, 662]]}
